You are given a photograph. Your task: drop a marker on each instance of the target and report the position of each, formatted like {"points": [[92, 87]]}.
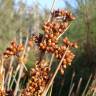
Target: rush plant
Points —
{"points": [[41, 76]]}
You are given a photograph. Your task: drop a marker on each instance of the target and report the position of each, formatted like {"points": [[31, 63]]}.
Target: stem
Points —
{"points": [[51, 10], [73, 75], [52, 58], [3, 79], [70, 91], [8, 73], [51, 90], [17, 69], [2, 62], [20, 37], [9, 79], [78, 87], [83, 94], [2, 71], [18, 81]]}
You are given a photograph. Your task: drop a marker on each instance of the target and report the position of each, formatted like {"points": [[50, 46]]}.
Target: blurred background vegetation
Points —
{"points": [[16, 18]]}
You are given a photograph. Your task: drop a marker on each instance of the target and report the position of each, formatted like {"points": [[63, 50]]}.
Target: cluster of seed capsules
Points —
{"points": [[13, 50], [53, 30], [39, 79], [69, 56]]}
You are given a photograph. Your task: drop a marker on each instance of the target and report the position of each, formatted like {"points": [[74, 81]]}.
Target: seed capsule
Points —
{"points": [[51, 36]]}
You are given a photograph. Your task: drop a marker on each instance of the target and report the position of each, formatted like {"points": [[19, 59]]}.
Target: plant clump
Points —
{"points": [[53, 30], [41, 76]]}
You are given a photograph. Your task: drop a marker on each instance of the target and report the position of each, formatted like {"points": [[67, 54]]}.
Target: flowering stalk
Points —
{"points": [[51, 81]]}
